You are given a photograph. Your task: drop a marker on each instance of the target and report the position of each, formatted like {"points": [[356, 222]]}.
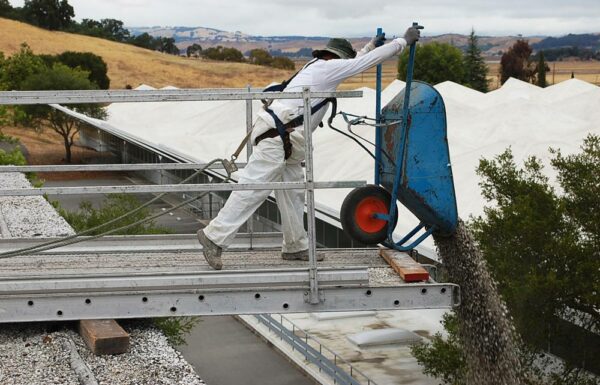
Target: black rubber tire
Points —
{"points": [[349, 210]]}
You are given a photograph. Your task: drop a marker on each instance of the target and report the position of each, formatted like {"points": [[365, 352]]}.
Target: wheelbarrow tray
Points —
{"points": [[419, 158]]}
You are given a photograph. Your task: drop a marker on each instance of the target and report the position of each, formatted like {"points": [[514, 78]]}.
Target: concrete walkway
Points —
{"points": [[225, 352]]}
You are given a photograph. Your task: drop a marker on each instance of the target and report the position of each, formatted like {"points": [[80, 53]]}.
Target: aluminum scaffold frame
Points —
{"points": [[346, 287]]}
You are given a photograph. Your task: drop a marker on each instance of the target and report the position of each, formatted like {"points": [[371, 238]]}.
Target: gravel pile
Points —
{"points": [[28, 217], [29, 355], [42, 354]]}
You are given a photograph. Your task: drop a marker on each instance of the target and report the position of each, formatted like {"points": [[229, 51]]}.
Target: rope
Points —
{"points": [[72, 239]]}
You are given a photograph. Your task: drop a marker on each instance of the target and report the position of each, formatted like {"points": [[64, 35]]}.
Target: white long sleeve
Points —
{"points": [[326, 75]]}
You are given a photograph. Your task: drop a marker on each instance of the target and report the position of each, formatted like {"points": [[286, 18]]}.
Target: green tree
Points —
{"points": [[260, 57], [515, 62], [5, 8], [60, 77], [49, 14], [144, 41], [18, 67], [475, 67], [114, 29], [87, 61], [434, 63], [283, 63], [541, 244], [167, 45], [442, 357], [542, 67], [193, 50]]}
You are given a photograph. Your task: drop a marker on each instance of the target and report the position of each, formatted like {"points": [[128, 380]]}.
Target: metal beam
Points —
{"points": [[113, 167], [196, 301], [134, 189], [128, 96]]}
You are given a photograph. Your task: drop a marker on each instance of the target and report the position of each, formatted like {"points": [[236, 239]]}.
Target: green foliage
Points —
{"points": [[14, 157], [541, 245], [87, 61], [114, 206], [443, 358], [260, 57], [475, 68], [193, 50], [5, 8], [162, 44], [283, 63], [49, 14], [434, 63], [18, 67], [515, 63], [175, 328], [223, 54]]}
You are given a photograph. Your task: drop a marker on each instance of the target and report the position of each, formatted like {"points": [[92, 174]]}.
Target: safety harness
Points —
{"points": [[284, 129]]}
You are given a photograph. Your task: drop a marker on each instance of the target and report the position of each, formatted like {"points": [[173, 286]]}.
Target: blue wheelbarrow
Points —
{"points": [[412, 166]]}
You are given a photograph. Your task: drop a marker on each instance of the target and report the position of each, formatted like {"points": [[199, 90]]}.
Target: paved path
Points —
{"points": [[225, 352]]}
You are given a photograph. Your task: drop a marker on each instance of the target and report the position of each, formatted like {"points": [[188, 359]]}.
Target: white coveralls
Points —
{"points": [[267, 163]]}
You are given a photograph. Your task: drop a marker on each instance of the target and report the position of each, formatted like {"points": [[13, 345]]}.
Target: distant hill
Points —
{"points": [[492, 46], [130, 65], [586, 40]]}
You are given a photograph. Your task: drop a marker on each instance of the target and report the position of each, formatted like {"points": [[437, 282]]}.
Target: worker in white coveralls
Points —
{"points": [[273, 160]]}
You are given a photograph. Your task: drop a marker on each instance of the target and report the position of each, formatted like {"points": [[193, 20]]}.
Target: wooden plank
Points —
{"points": [[408, 269], [104, 336]]}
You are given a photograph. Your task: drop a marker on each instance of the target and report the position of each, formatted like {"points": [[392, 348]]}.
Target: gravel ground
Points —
{"points": [[36, 354]]}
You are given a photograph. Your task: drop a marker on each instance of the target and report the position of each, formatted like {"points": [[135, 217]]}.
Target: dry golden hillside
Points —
{"points": [[131, 65]]}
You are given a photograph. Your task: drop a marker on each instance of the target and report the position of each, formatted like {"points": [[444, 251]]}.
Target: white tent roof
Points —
{"points": [[525, 117]]}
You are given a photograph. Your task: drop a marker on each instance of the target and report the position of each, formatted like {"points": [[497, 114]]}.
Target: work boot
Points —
{"points": [[211, 251], [301, 255]]}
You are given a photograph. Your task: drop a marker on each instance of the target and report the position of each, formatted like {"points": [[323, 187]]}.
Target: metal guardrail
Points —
{"points": [[54, 98], [303, 342]]}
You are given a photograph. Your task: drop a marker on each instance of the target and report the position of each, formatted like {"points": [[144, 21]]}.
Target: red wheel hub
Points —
{"points": [[364, 214]]}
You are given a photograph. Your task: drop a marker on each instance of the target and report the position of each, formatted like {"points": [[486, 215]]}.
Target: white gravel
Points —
{"points": [[39, 354], [28, 217]]}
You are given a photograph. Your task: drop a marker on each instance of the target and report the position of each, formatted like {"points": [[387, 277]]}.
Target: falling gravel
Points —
{"points": [[486, 332]]}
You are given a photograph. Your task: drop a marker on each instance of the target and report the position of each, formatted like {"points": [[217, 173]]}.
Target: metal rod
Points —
{"points": [[176, 188], [250, 222], [112, 167], [109, 96], [310, 199], [378, 118]]}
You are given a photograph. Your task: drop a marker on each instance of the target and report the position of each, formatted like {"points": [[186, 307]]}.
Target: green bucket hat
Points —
{"points": [[340, 47]]}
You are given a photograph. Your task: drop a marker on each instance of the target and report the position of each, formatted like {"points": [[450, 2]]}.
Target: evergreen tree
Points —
{"points": [[541, 70], [475, 68]]}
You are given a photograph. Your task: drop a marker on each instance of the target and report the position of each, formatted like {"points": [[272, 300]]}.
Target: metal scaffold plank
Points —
{"points": [[92, 284]]}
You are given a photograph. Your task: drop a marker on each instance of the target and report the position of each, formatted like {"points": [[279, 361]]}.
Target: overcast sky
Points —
{"points": [[352, 18]]}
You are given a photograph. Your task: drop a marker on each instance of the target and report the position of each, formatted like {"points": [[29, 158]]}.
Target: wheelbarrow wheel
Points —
{"points": [[357, 214]]}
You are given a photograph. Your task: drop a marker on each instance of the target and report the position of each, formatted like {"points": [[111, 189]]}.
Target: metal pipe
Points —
{"points": [[112, 167], [378, 118], [310, 199], [250, 222], [169, 188], [110, 96]]}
